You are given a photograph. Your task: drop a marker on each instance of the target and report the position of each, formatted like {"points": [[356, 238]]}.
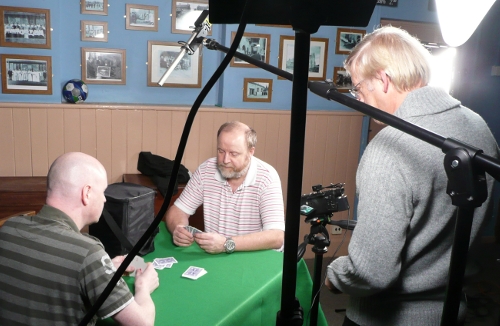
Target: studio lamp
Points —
{"points": [[459, 18]]}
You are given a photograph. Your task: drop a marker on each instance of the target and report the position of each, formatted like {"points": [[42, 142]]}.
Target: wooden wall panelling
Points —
{"points": [[149, 131], [134, 139], [177, 126], [22, 142], [191, 157], [55, 134], [164, 145], [39, 142], [7, 146], [104, 140], [208, 132], [118, 145], [72, 130], [88, 132]]}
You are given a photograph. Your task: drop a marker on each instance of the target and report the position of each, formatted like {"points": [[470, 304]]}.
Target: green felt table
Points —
{"points": [[243, 288]]}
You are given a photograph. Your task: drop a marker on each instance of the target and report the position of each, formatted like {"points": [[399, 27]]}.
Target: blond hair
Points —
{"points": [[403, 58]]}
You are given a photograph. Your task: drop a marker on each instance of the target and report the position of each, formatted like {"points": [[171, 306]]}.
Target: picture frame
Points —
{"points": [[104, 66], [162, 54], [93, 31], [347, 38], [257, 90], [254, 45], [26, 74], [318, 54], [341, 80], [390, 3], [94, 7], [141, 17], [185, 14], [25, 27]]}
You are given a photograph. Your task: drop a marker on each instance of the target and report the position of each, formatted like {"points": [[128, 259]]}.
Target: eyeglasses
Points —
{"points": [[355, 90]]}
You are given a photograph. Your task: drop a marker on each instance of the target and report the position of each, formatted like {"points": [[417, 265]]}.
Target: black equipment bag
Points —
{"points": [[127, 214], [159, 169]]}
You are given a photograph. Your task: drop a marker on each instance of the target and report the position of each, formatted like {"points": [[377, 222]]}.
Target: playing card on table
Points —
{"points": [[161, 263], [194, 272]]}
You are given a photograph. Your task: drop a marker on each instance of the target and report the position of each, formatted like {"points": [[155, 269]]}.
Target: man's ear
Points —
{"points": [[86, 194], [385, 80], [252, 150]]}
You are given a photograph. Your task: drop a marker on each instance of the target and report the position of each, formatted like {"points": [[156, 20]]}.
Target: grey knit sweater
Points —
{"points": [[397, 266]]}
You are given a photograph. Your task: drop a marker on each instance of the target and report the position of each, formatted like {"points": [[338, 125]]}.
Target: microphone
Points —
{"points": [[344, 224], [202, 27], [322, 88]]}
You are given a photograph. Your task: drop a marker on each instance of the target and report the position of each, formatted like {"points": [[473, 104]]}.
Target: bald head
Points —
{"points": [[71, 171], [75, 185]]}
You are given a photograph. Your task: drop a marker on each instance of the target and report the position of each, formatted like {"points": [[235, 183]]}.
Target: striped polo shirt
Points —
{"points": [[51, 274], [255, 206]]}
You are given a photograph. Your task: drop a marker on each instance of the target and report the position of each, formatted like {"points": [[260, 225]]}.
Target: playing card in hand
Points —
{"points": [[192, 229], [139, 263], [194, 272]]}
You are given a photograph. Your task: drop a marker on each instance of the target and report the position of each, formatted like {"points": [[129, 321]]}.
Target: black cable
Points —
{"points": [[175, 170]]}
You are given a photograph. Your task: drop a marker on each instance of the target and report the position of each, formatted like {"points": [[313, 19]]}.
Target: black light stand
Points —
{"points": [[320, 239]]}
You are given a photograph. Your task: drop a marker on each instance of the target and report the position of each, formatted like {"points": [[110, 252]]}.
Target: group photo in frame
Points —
{"points": [[94, 31], [94, 7], [160, 57], [341, 79], [103, 66], [141, 17], [26, 74], [318, 55], [185, 14], [257, 90], [25, 27], [256, 46], [347, 39]]}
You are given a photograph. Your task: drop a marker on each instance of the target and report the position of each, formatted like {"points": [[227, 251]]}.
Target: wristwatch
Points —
{"points": [[229, 245]]}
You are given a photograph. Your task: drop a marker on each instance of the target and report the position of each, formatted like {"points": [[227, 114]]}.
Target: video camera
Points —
{"points": [[322, 204]]}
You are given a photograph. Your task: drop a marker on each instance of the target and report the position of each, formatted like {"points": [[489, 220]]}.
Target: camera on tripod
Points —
{"points": [[320, 205]]}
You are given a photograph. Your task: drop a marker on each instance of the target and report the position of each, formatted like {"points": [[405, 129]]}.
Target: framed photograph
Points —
{"points": [[347, 39], [25, 27], [318, 55], [94, 31], [253, 45], [390, 3], [103, 66], [185, 14], [160, 57], [257, 90], [341, 79], [141, 17], [94, 7], [26, 74]]}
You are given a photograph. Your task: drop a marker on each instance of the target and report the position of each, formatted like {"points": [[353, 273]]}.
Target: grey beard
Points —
{"points": [[234, 174]]}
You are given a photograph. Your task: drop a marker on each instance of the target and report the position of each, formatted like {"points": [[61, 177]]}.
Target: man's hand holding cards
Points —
{"points": [[192, 229]]}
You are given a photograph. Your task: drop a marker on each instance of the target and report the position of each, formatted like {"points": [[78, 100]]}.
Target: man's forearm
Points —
{"points": [[174, 217], [268, 239]]}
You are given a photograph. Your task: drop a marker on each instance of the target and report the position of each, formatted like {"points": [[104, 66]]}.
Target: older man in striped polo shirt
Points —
{"points": [[241, 196]]}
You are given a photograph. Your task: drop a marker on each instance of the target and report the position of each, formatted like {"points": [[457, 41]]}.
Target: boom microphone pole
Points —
{"points": [[202, 27]]}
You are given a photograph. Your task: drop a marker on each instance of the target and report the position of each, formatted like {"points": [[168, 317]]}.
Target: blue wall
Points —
{"points": [[66, 45]]}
